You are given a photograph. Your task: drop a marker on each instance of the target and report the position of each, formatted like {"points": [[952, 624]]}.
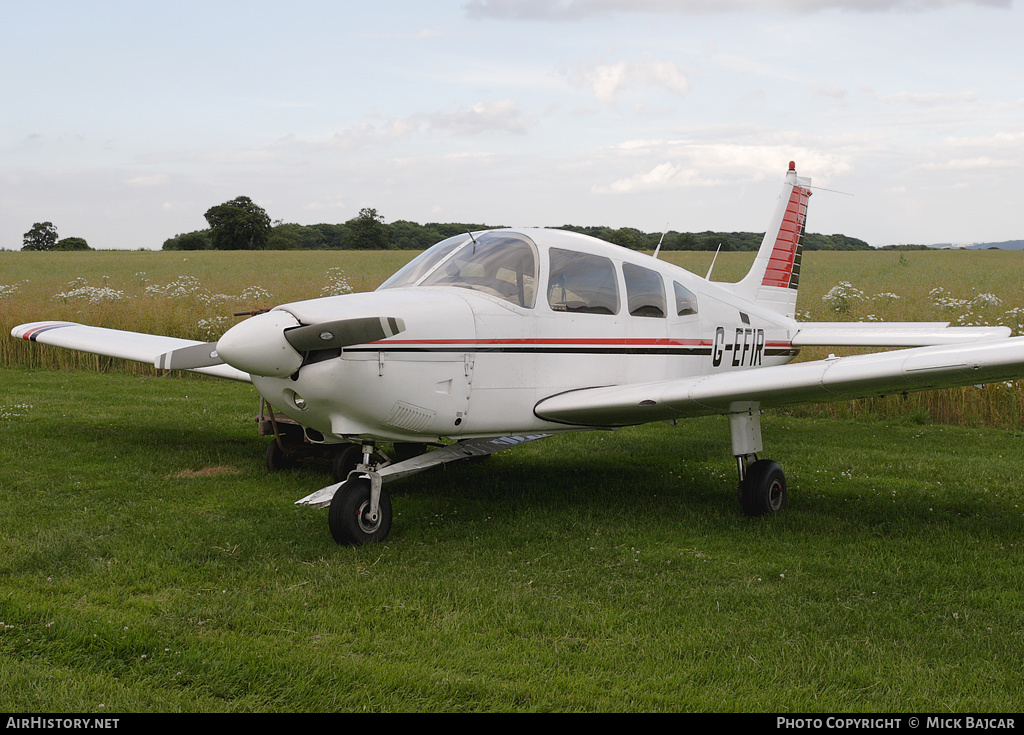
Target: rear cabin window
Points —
{"points": [[686, 302], [582, 283], [645, 291]]}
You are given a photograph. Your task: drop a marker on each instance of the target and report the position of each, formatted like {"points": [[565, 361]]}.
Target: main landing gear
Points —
{"points": [[762, 489]]}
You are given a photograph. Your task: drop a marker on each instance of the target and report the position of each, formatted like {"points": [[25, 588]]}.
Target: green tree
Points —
{"points": [[367, 231], [628, 237], [198, 240], [42, 236], [238, 225], [686, 241], [72, 243]]}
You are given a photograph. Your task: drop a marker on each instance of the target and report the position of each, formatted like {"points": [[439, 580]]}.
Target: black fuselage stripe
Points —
{"points": [[681, 351]]}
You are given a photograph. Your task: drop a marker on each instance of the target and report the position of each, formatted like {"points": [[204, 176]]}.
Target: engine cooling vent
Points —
{"points": [[409, 417]]}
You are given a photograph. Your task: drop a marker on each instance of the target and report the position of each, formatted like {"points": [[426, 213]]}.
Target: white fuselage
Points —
{"points": [[472, 363]]}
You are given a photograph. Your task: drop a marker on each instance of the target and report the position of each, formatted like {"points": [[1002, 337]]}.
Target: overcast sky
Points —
{"points": [[123, 122]]}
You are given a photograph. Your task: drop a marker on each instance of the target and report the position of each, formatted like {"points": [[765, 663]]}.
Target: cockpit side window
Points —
{"points": [[502, 264], [686, 302], [645, 291], [582, 283]]}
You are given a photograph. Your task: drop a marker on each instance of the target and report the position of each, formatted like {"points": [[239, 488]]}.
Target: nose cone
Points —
{"points": [[257, 346]]}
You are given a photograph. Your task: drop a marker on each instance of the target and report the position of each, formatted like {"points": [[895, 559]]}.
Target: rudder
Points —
{"points": [[774, 277]]}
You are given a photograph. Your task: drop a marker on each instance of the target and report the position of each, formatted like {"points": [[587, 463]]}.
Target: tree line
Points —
{"points": [[241, 224]]}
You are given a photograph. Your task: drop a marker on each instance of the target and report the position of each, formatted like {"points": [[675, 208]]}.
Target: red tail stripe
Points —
{"points": [[783, 256]]}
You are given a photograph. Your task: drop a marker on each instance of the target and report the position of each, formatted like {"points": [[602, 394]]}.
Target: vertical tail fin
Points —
{"points": [[775, 274]]}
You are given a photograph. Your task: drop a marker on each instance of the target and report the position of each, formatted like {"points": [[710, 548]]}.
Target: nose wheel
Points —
{"points": [[351, 517]]}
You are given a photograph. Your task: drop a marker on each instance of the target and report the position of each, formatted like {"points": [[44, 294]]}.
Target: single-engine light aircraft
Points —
{"points": [[491, 339]]}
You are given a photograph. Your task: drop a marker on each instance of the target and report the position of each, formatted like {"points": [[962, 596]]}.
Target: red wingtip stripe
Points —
{"points": [[32, 334]]}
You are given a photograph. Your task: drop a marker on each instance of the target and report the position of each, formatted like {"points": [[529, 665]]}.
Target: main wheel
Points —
{"points": [[349, 515], [277, 458], [345, 461], [764, 488]]}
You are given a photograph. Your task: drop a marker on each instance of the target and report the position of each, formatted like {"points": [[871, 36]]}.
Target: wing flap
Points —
{"points": [[820, 381], [122, 344], [891, 334]]}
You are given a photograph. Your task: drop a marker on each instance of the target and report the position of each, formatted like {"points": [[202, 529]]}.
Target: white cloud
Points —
{"points": [[663, 176], [570, 10], [967, 164], [937, 99], [483, 117], [501, 116], [700, 165], [608, 81], [151, 180]]}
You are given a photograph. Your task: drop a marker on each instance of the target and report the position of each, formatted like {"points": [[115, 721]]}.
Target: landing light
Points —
{"points": [[298, 401]]}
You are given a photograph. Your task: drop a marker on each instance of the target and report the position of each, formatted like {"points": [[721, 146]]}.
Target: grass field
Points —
{"points": [[149, 563]]}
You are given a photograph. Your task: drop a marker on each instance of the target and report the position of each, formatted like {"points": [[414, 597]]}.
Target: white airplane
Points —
{"points": [[505, 336]]}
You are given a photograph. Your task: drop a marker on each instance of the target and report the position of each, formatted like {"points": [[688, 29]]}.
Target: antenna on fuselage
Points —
{"points": [[708, 276], [658, 249]]}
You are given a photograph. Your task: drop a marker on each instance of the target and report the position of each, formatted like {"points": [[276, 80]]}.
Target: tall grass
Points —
{"points": [[187, 295], [193, 295]]}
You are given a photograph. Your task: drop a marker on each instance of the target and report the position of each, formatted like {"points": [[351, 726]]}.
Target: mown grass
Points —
{"points": [[149, 563]]}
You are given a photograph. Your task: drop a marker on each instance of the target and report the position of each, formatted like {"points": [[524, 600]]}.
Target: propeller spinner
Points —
{"points": [[271, 344]]}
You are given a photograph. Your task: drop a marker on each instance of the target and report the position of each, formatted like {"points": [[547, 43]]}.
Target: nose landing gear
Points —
{"points": [[352, 518], [360, 511]]}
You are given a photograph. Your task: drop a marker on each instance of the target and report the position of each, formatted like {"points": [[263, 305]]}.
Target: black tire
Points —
{"points": [[408, 450], [764, 488], [345, 461], [277, 459], [346, 515]]}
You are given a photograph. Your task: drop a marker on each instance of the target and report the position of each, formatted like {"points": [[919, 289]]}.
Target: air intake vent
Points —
{"points": [[409, 417]]}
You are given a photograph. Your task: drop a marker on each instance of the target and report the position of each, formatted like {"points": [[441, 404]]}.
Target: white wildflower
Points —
{"points": [[255, 293], [214, 326], [986, 299], [843, 296], [79, 289], [338, 284]]}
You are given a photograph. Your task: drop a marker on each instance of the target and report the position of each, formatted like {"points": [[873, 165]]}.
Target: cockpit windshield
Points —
{"points": [[423, 263], [499, 263]]}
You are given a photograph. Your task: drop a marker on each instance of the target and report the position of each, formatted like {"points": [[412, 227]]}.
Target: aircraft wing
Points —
{"points": [[116, 343], [890, 334], [820, 381]]}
